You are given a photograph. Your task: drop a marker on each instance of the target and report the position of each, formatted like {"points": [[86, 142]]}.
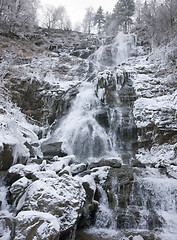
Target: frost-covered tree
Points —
{"points": [[17, 15], [99, 19], [56, 17], [168, 12], [88, 21], [159, 19], [110, 25], [123, 12]]}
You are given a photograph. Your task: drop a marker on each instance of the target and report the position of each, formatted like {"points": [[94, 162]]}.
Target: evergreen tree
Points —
{"points": [[122, 13], [99, 19]]}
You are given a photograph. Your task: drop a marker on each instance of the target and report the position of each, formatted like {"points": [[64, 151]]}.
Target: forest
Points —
{"points": [[157, 19]]}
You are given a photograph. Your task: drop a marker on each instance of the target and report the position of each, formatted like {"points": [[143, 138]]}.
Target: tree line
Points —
{"points": [[20, 16], [157, 18]]}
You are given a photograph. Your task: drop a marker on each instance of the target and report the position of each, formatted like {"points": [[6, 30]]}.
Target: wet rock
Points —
{"points": [[50, 150], [6, 156], [38, 225], [114, 163], [136, 163], [154, 221], [90, 207], [126, 221]]}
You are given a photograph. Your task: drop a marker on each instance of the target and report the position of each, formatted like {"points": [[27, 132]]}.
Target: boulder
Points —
{"points": [[36, 225], [63, 197], [50, 150], [19, 170], [114, 163], [78, 168]]}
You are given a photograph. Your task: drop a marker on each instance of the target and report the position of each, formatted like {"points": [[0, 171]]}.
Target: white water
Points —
{"points": [[115, 53], [90, 130]]}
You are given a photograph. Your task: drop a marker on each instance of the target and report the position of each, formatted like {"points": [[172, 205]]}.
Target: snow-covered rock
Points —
{"points": [[36, 225], [63, 197], [6, 225]]}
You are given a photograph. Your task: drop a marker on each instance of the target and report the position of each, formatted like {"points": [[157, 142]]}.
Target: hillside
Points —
{"points": [[88, 137]]}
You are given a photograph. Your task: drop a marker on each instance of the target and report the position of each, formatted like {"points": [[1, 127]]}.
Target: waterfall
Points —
{"points": [[116, 52], [98, 116]]}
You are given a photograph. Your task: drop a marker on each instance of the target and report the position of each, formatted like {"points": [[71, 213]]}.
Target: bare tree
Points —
{"points": [[56, 17], [16, 15], [88, 21]]}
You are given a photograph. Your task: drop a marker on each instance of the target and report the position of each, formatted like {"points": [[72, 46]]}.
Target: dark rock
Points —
{"points": [[31, 149], [126, 221], [114, 163], [103, 119], [136, 163], [154, 221], [90, 207], [6, 156], [50, 150]]}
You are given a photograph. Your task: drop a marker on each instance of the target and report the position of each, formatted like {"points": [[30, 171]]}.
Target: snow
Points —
{"points": [[150, 110], [48, 224], [160, 155], [22, 169], [5, 231], [15, 131], [101, 173], [60, 163]]}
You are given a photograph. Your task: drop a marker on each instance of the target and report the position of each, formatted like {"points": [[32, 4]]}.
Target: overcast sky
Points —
{"points": [[76, 8]]}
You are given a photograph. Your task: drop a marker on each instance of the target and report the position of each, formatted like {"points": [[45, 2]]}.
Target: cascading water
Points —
{"points": [[93, 126], [117, 51]]}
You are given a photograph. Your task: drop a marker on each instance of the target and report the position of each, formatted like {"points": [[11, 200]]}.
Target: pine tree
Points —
{"points": [[122, 13], [99, 19]]}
